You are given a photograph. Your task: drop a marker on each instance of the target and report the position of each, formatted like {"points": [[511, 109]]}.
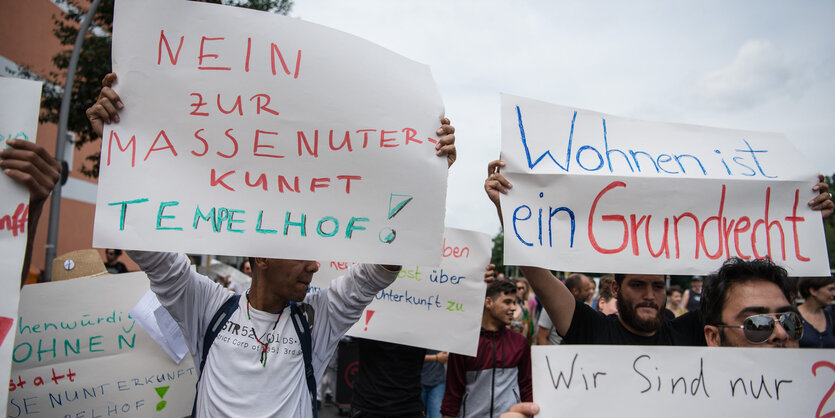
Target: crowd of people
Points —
{"points": [[745, 303]]}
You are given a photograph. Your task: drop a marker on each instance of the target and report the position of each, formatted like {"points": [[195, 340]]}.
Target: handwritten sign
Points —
{"points": [[251, 133], [692, 381], [593, 192], [432, 307], [78, 353], [19, 104]]}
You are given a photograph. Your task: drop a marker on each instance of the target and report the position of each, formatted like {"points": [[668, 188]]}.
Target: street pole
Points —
{"points": [[60, 143]]}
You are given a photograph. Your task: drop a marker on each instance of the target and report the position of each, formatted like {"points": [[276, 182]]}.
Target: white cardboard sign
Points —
{"points": [[252, 133], [639, 381], [78, 353], [432, 307], [19, 104], [594, 192]]}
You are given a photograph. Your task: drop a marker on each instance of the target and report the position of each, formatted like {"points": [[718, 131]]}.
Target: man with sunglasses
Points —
{"points": [[748, 304]]}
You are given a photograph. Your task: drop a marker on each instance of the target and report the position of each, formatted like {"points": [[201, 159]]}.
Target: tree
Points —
{"points": [[497, 256], [829, 226], [94, 64]]}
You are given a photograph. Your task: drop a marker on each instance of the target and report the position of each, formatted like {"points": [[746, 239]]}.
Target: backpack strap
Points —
{"points": [[215, 325], [307, 352]]}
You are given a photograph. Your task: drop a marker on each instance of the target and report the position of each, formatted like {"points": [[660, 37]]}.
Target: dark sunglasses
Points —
{"points": [[758, 328]]}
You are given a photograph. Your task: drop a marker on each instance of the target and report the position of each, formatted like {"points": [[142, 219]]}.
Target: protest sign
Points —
{"points": [[432, 307], [593, 192], [250, 133], [78, 353], [641, 381], [19, 104]]}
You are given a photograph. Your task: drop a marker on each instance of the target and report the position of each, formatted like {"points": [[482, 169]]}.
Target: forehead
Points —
{"points": [[506, 297], [754, 296], [644, 278]]}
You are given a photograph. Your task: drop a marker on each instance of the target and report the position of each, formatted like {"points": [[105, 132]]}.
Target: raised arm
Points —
{"points": [[30, 165], [554, 296]]}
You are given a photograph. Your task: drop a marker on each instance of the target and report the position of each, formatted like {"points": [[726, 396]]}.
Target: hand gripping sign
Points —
{"points": [[251, 133], [593, 192]]}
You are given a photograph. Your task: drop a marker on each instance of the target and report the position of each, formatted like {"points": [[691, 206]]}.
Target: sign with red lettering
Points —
{"points": [[433, 307], [79, 353], [20, 101], [692, 381], [594, 192], [250, 133]]}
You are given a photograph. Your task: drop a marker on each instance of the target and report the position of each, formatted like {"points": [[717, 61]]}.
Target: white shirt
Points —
{"points": [[234, 382]]}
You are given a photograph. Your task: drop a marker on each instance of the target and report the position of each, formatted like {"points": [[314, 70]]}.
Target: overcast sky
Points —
{"points": [[752, 65]]}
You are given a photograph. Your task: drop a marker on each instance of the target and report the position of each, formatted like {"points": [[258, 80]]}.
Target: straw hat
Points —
{"points": [[75, 264]]}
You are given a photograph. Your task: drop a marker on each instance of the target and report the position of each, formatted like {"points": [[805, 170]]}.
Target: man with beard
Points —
{"points": [[747, 304], [641, 298]]}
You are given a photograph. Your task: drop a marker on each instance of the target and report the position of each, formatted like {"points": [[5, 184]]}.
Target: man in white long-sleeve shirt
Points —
{"points": [[255, 367], [238, 379]]}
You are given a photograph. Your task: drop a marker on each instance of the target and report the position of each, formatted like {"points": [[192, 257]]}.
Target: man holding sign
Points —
{"points": [[641, 298], [255, 366]]}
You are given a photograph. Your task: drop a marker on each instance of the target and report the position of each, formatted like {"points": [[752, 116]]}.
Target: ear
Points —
{"points": [[261, 264], [712, 336], [488, 302], [813, 292], [615, 288]]}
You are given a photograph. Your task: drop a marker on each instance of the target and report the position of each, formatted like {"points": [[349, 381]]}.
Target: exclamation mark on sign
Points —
{"points": [[368, 315], [161, 391], [396, 204]]}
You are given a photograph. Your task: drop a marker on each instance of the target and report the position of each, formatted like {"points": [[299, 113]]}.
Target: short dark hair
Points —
{"points": [[735, 271], [674, 288], [806, 284], [500, 287], [574, 281], [241, 265], [619, 278], [115, 251]]}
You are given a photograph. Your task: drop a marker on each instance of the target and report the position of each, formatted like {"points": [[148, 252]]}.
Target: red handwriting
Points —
{"points": [[231, 180], [40, 381], [260, 102], [729, 231], [16, 222], [828, 394], [455, 252], [340, 265], [264, 143], [208, 59]]}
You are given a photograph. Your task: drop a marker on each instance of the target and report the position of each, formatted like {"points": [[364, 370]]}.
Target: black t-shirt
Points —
{"points": [[592, 327], [388, 381]]}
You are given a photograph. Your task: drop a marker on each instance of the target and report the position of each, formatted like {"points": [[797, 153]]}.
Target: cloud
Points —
{"points": [[759, 72]]}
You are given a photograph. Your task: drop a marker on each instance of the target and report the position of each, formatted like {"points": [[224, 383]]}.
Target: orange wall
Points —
{"points": [[26, 38]]}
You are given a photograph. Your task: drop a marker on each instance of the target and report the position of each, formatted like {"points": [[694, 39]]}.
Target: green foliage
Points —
{"points": [[497, 257], [829, 226], [94, 64]]}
